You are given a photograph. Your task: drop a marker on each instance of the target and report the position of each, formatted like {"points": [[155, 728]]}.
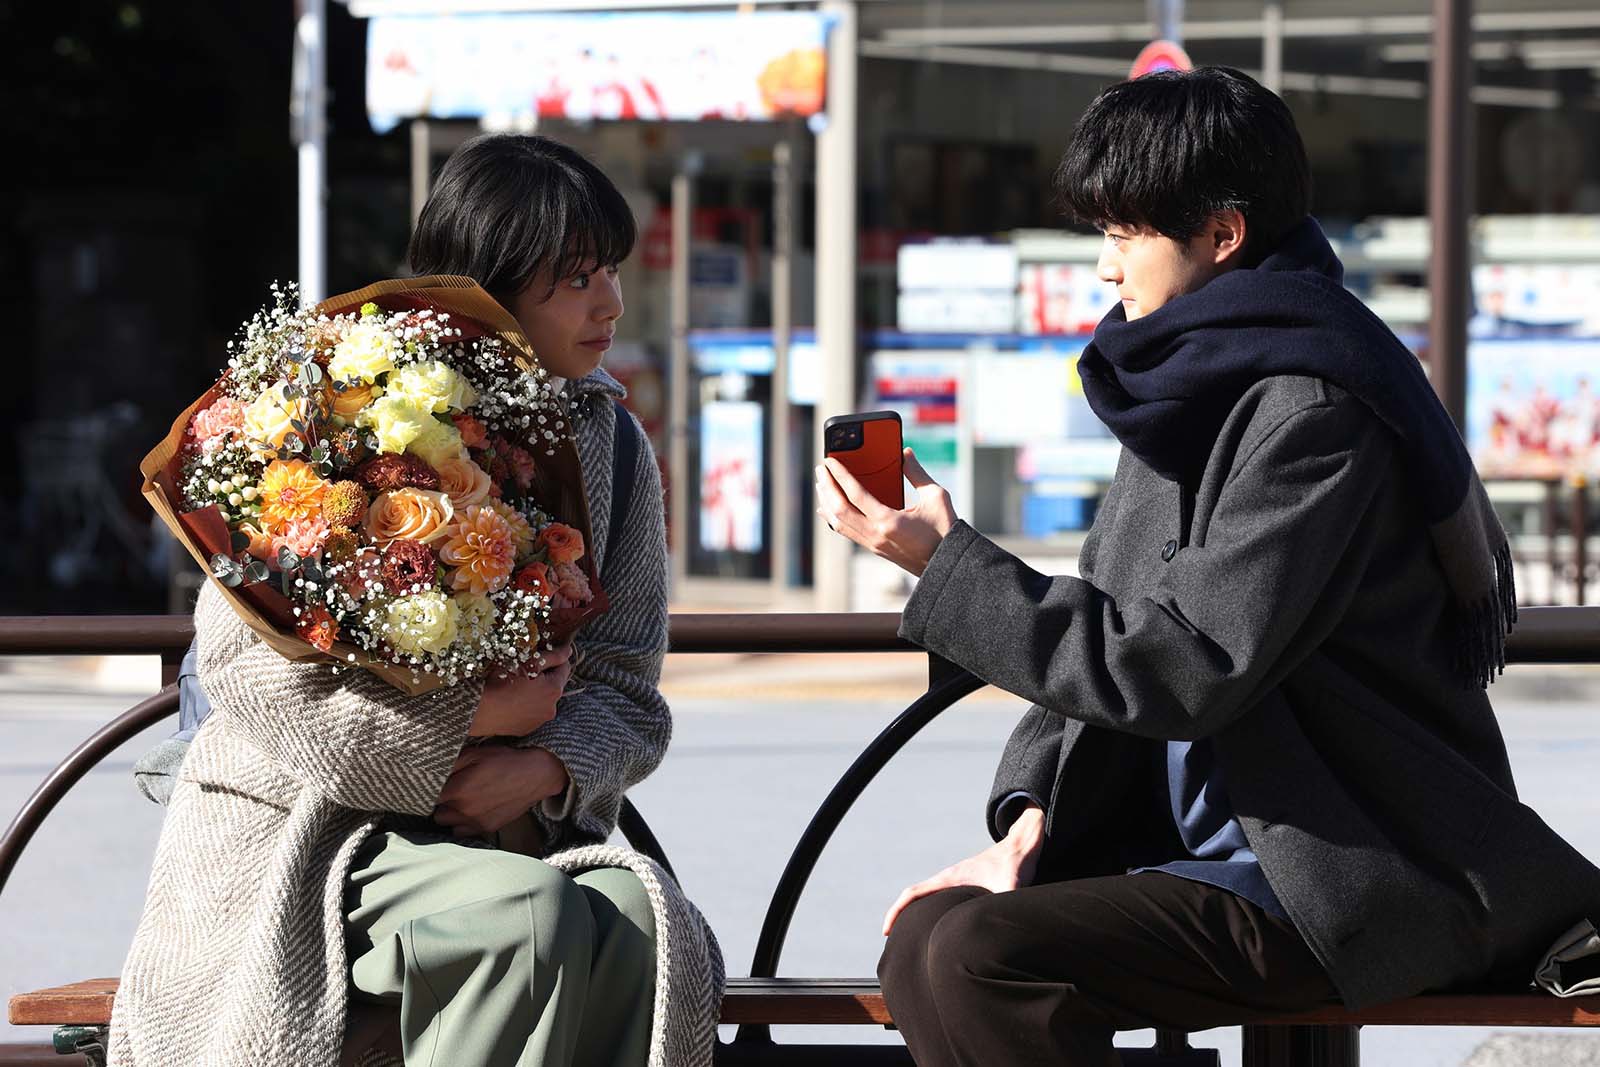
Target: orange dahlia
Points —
{"points": [[481, 549], [290, 491]]}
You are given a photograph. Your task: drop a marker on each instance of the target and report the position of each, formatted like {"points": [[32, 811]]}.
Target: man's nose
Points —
{"points": [[1107, 267]]}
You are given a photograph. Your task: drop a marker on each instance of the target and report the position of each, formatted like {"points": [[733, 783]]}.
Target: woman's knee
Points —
{"points": [[624, 891]]}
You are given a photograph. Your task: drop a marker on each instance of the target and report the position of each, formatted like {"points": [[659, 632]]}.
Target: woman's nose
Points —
{"points": [[610, 307]]}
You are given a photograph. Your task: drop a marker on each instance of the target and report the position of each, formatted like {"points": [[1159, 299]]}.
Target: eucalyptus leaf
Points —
{"points": [[240, 541], [312, 571], [287, 559], [292, 391], [311, 373], [226, 570], [287, 583], [294, 443], [257, 572], [339, 386]]}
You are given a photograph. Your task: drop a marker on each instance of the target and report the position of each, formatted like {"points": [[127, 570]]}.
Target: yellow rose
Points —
{"points": [[366, 352], [409, 515], [396, 422], [432, 386], [267, 421], [348, 404], [423, 622], [477, 616], [438, 443]]}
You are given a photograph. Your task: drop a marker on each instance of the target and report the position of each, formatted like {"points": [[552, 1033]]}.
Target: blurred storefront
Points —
{"points": [[864, 192]]}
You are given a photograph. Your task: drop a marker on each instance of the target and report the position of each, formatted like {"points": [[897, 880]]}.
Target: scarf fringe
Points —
{"points": [[1482, 626]]}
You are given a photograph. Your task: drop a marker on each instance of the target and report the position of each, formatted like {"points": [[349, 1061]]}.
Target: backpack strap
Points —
{"points": [[624, 459]]}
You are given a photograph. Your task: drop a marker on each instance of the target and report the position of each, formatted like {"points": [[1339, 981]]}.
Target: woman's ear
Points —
{"points": [[1225, 238]]}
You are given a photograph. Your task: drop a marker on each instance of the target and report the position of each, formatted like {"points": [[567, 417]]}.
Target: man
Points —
{"points": [[1261, 771]]}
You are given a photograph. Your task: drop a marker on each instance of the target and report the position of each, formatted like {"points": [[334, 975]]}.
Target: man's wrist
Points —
{"points": [[1026, 832]]}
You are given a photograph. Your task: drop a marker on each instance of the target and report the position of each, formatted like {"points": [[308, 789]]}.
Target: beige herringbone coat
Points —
{"points": [[239, 959]]}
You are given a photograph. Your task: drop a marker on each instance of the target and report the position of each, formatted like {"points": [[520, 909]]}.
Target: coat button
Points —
{"points": [[1169, 550]]}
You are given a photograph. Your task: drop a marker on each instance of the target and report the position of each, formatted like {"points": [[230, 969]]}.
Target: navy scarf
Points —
{"points": [[1164, 384]]}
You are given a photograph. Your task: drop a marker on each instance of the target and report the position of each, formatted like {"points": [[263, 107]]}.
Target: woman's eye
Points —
{"points": [[579, 281]]}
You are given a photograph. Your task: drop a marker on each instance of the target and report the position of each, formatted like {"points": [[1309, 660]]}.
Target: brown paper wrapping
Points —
{"points": [[558, 485]]}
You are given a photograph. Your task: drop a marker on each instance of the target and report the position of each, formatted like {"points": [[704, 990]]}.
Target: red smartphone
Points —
{"points": [[869, 446]]}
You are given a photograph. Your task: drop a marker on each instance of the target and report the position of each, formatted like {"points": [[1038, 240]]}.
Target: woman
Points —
{"points": [[328, 834]]}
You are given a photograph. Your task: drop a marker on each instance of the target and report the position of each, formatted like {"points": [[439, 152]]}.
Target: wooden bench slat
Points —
{"points": [[1463, 1009], [79, 1004], [816, 1001], [858, 1001]]}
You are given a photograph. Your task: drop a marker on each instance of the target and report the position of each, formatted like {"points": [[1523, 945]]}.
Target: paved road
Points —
{"points": [[745, 774]]}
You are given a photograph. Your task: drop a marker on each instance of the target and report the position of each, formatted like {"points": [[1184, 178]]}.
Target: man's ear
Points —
{"points": [[1225, 238]]}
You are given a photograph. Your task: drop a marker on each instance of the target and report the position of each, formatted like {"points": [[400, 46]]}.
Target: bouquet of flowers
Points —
{"points": [[387, 480]]}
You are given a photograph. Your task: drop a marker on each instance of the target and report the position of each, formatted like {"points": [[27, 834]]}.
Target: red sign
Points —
{"points": [[1160, 55]]}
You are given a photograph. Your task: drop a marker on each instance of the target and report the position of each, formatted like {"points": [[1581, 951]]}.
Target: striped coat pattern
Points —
{"points": [[239, 957]]}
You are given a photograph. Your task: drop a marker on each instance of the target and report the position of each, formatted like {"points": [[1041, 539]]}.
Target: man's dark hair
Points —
{"points": [[507, 206], [1171, 149]]}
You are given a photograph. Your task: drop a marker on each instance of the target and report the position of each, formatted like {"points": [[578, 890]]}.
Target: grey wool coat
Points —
{"points": [[239, 957], [1290, 611]]}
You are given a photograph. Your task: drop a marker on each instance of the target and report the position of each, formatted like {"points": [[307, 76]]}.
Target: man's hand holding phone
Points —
{"points": [[907, 538]]}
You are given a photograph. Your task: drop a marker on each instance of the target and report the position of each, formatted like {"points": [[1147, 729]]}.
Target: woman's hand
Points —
{"points": [[999, 868], [490, 786], [906, 538], [518, 705]]}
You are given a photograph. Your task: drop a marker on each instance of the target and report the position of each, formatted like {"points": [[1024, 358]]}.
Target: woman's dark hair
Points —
{"points": [[1171, 149], [507, 206]]}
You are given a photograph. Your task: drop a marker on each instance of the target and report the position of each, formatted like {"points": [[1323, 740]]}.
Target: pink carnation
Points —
{"points": [[303, 537], [571, 587], [225, 416], [473, 433], [522, 467]]}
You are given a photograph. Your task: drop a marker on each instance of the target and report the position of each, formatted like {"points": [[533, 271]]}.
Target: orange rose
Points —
{"points": [[561, 543], [260, 541], [481, 549], [410, 514], [534, 578], [349, 403], [464, 482]]}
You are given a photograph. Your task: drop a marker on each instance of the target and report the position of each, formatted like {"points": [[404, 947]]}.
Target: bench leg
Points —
{"points": [[1302, 1046], [86, 1041]]}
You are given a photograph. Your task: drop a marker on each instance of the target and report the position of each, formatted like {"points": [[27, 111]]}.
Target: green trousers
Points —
{"points": [[496, 959]]}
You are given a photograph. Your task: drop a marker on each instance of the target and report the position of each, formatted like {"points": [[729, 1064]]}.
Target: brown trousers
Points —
{"points": [[1044, 975]]}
